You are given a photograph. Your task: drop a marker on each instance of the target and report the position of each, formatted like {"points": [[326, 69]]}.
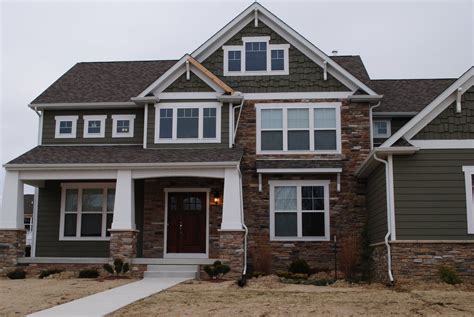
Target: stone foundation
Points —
{"points": [[231, 251], [12, 246], [123, 244], [421, 261]]}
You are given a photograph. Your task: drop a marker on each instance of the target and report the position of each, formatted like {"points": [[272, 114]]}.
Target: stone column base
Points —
{"points": [[12, 246], [231, 251], [123, 244]]}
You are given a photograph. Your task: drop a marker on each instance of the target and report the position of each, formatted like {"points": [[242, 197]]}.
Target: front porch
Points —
{"points": [[147, 216]]}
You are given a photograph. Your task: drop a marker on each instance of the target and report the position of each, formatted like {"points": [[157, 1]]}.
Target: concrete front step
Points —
{"points": [[171, 271]]}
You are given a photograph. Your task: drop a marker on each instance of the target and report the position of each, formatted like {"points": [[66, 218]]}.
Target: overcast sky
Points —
{"points": [[42, 40]]}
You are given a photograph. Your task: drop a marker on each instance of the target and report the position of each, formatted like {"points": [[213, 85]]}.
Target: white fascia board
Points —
{"points": [[298, 170], [298, 95], [443, 144], [423, 117], [84, 105]]}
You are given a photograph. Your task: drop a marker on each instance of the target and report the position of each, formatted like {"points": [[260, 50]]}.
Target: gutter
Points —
{"points": [[365, 98], [144, 100], [395, 114], [84, 105], [364, 169], [389, 218], [40, 125]]}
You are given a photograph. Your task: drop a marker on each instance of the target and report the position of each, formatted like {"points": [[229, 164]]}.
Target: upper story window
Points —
{"points": [[382, 129], [94, 126], [298, 128], [123, 125], [66, 127], [188, 123], [256, 56]]}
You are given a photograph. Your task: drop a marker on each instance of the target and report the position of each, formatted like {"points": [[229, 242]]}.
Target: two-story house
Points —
{"points": [[256, 137]]}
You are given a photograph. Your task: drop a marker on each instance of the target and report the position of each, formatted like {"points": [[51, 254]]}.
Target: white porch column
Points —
{"points": [[124, 208], [231, 210], [11, 213]]}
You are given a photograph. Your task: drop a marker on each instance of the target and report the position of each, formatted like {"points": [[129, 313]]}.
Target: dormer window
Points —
{"points": [[256, 56], [94, 126], [65, 127]]}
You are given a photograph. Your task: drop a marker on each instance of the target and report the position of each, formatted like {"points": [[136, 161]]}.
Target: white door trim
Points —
{"points": [[186, 255]]}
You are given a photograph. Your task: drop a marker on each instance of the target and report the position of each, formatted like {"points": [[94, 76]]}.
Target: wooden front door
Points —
{"points": [[186, 232]]}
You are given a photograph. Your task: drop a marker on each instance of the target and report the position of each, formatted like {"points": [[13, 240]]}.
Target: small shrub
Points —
{"points": [[299, 266], [449, 275], [349, 256], [89, 273], [118, 265], [108, 268], [17, 274], [48, 272], [216, 270], [125, 268]]}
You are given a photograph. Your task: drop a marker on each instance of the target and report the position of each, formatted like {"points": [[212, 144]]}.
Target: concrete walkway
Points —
{"points": [[108, 301]]}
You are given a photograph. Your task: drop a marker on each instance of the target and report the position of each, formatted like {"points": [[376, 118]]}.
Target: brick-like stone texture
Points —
{"points": [[154, 212], [231, 251], [347, 207], [123, 244], [12, 246], [421, 261]]}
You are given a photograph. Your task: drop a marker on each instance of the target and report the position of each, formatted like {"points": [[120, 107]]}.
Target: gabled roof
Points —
{"points": [[354, 65], [103, 81], [441, 102], [408, 95]]}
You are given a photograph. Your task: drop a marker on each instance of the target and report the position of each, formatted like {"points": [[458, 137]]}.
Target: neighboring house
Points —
{"points": [[257, 131]]}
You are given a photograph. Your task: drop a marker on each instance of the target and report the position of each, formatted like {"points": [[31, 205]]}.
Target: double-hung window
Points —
{"points": [[188, 123], [298, 128], [65, 127], [123, 125], [299, 210], [382, 129], [256, 56], [469, 182], [94, 126], [86, 211]]}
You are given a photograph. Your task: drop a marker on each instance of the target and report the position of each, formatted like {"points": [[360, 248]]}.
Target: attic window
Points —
{"points": [[65, 127], [123, 125], [256, 56]]}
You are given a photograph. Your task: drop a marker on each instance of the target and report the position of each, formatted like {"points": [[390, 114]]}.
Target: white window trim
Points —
{"points": [[468, 174], [270, 47], [30, 223], [130, 118], [100, 118], [181, 105], [299, 211], [311, 107], [80, 187], [389, 129], [71, 135]]}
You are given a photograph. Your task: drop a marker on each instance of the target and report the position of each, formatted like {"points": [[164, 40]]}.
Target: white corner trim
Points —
{"points": [[130, 118], [89, 118], [299, 210], [298, 170], [60, 119], [468, 175], [443, 144]]}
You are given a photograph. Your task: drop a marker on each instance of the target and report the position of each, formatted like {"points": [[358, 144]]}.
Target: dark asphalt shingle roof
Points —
{"points": [[104, 81], [408, 95], [297, 164], [354, 65], [123, 154]]}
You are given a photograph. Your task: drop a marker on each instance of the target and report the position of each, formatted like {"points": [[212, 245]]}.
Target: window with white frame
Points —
{"points": [[86, 211], [188, 123], [469, 181], [256, 56], [382, 129], [66, 127], [94, 126], [28, 222], [300, 127], [299, 210], [123, 125]]}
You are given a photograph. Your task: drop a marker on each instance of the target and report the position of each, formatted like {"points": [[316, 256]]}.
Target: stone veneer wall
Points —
{"points": [[231, 249], [123, 244], [420, 261], [347, 207], [154, 212], [12, 246]]}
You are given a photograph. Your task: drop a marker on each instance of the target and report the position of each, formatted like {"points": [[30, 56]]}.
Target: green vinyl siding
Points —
{"points": [[224, 131], [47, 241], [430, 195], [194, 84], [449, 124], [377, 205], [49, 127]]}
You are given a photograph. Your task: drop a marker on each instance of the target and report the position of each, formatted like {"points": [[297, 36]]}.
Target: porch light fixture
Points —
{"points": [[217, 198]]}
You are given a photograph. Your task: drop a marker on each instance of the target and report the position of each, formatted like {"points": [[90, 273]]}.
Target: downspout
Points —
{"points": [[36, 197], [389, 219], [243, 279], [372, 125], [40, 125]]}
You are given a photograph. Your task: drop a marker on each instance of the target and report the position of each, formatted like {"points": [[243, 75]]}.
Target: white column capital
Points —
{"points": [[11, 213]]}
